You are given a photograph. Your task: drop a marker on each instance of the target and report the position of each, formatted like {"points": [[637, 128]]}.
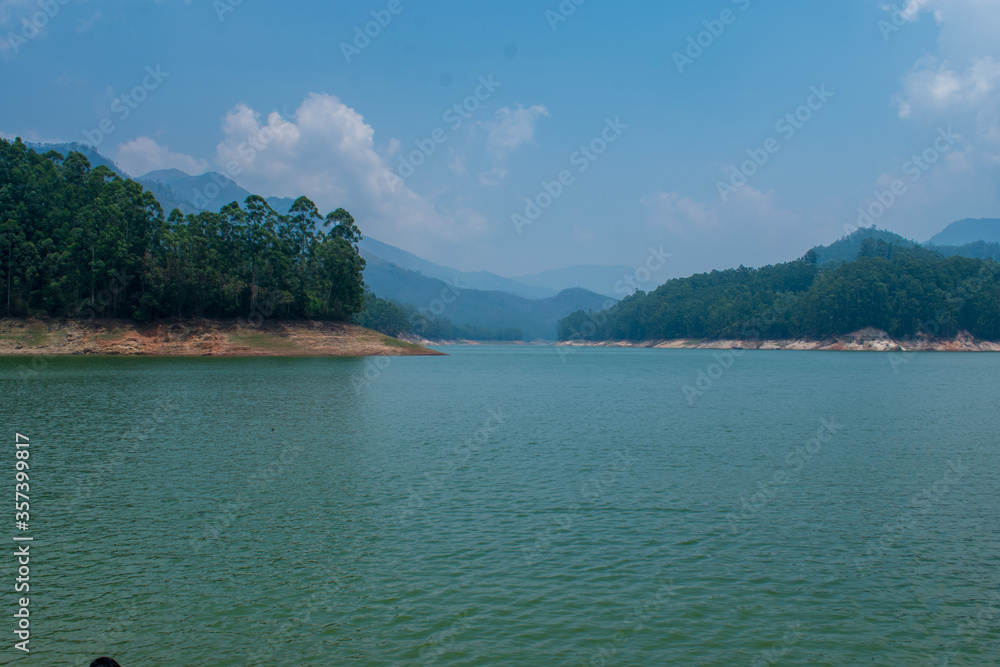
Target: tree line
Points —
{"points": [[83, 242], [903, 291]]}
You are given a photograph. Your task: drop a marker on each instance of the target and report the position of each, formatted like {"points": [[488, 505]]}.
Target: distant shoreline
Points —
{"points": [[198, 338], [868, 340]]}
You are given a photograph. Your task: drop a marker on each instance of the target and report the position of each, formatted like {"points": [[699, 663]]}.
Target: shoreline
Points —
{"points": [[867, 340], [198, 338]]}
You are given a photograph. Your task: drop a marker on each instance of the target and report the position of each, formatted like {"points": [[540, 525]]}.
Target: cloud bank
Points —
{"points": [[326, 151]]}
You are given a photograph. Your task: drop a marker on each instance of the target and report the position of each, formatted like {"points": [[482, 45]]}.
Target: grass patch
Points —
{"points": [[33, 335], [262, 340], [114, 334], [395, 342]]}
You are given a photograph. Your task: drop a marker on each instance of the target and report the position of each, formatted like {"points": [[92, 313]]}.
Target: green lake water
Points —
{"points": [[510, 505]]}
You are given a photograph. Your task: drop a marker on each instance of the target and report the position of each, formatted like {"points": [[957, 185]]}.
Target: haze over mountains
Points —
{"points": [[968, 231], [532, 303], [846, 249], [537, 319], [211, 190], [372, 249], [96, 159], [207, 192], [481, 299]]}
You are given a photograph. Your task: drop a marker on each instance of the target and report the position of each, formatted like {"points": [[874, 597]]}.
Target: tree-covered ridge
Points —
{"points": [[76, 241], [394, 319], [846, 249], [904, 291]]}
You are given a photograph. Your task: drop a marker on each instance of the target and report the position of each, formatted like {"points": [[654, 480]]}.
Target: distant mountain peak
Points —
{"points": [[846, 249], [968, 231], [87, 150], [166, 176]]}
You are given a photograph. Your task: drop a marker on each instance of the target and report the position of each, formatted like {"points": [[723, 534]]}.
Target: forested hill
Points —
{"points": [[903, 291], [76, 241], [847, 248]]}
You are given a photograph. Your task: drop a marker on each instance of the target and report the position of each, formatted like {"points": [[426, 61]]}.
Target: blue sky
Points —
{"points": [[269, 93]]}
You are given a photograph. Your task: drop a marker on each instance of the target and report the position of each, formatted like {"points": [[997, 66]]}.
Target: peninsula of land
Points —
{"points": [[198, 337]]}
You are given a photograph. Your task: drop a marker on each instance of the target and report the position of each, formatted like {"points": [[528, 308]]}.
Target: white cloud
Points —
{"points": [[911, 11], [394, 146], [680, 214], [933, 86], [967, 29], [327, 152], [493, 178], [85, 24], [747, 208], [752, 228], [143, 155], [511, 128], [949, 11], [457, 164], [956, 184], [956, 86], [10, 9]]}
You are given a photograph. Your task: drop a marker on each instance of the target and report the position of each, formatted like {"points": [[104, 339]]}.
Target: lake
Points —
{"points": [[511, 505]]}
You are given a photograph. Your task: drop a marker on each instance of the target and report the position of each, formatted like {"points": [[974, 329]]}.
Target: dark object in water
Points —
{"points": [[105, 662]]}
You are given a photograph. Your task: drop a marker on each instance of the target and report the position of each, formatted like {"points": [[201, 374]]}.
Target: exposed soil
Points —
{"points": [[198, 338], [866, 340]]}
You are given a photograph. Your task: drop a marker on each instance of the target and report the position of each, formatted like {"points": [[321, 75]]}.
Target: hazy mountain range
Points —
{"points": [[207, 192], [372, 249], [846, 249], [533, 303], [968, 231], [453, 300], [96, 159]]}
